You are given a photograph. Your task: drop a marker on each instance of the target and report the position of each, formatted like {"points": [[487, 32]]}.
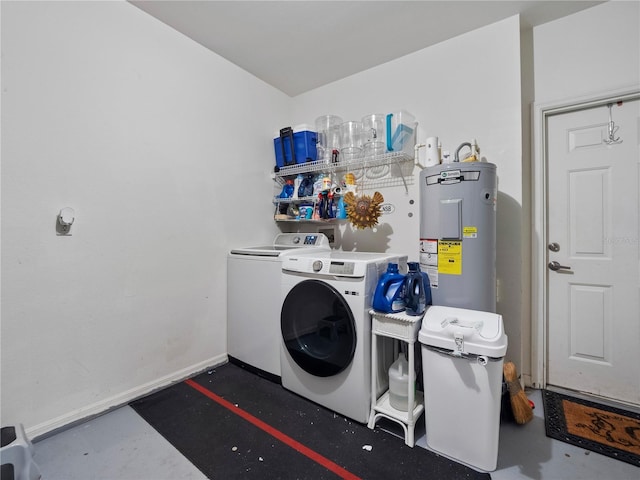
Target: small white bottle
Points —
{"points": [[433, 152], [399, 384]]}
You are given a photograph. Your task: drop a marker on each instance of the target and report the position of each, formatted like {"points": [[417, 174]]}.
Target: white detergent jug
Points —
{"points": [[399, 384]]}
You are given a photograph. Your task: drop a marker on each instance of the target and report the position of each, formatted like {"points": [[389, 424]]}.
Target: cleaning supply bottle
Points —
{"points": [[296, 185], [341, 211], [326, 183], [399, 384], [332, 205], [414, 290], [287, 189], [427, 288], [388, 297], [306, 187]]}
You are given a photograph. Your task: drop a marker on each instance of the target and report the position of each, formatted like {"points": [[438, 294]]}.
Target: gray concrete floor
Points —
{"points": [[122, 446], [526, 452], [119, 445]]}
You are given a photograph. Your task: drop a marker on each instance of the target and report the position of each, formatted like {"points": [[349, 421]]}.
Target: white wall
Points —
{"points": [[591, 52], [164, 151], [467, 87]]}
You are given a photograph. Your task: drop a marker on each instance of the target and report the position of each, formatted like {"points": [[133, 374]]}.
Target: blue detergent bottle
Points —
{"points": [[427, 288], [287, 189], [388, 297], [414, 290], [306, 187]]}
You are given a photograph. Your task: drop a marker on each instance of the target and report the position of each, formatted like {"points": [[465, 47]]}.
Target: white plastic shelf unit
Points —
{"points": [[405, 328]]}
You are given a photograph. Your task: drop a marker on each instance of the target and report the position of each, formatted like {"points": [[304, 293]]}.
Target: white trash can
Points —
{"points": [[462, 356]]}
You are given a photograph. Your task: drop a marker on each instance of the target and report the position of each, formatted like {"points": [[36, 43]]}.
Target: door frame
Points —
{"points": [[539, 234]]}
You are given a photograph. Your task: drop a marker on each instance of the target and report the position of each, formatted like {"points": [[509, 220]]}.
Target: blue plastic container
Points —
{"points": [[341, 211], [388, 297], [287, 190], [427, 288], [294, 146], [414, 290]]}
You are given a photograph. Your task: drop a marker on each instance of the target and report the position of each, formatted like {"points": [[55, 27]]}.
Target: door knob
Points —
{"points": [[555, 266]]}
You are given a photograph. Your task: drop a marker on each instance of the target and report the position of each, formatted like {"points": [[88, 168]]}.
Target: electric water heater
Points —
{"points": [[458, 233]]}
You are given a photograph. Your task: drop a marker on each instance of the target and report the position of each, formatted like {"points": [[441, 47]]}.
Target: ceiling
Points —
{"points": [[300, 45]]}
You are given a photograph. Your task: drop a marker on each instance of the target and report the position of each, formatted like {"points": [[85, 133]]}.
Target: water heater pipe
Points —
{"points": [[456, 158]]}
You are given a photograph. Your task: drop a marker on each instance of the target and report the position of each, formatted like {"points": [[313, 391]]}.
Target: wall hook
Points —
{"points": [[611, 139], [65, 220]]}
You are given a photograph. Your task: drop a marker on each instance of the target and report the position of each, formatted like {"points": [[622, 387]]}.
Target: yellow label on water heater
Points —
{"points": [[470, 232], [450, 257]]}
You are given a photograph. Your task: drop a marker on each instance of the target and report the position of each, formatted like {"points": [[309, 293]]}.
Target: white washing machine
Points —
{"points": [[254, 300], [326, 328]]}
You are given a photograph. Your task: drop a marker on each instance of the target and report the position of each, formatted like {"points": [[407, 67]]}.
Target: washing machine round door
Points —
{"points": [[318, 328]]}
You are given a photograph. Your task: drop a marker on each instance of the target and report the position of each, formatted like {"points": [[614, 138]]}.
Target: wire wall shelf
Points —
{"points": [[372, 166], [394, 169]]}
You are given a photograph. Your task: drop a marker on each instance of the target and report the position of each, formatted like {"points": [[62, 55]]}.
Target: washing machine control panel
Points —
{"points": [[286, 240], [311, 239]]}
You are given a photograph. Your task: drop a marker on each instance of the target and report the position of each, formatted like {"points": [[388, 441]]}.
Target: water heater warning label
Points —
{"points": [[429, 259], [450, 258]]}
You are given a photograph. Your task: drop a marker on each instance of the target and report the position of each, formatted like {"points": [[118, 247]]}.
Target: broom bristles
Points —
{"points": [[522, 411]]}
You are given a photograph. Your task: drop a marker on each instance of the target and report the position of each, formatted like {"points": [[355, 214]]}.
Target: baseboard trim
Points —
{"points": [[78, 416]]}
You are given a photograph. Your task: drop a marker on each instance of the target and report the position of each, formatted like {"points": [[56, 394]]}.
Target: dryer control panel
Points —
{"points": [[342, 268], [317, 265]]}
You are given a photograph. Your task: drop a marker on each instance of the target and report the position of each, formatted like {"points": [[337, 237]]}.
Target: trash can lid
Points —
{"points": [[464, 331]]}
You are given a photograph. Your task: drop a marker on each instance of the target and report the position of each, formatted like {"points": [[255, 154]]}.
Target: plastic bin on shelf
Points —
{"points": [[462, 357], [295, 146]]}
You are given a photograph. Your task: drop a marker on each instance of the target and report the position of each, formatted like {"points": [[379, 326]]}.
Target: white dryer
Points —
{"points": [[326, 327], [254, 300]]}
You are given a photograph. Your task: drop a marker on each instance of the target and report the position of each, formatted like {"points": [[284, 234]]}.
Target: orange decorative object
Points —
{"points": [[363, 211]]}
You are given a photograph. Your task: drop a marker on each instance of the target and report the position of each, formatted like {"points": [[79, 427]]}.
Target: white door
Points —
{"points": [[593, 320]]}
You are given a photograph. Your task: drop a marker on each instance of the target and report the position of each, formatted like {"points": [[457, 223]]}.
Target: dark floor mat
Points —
{"points": [[225, 446], [600, 428]]}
